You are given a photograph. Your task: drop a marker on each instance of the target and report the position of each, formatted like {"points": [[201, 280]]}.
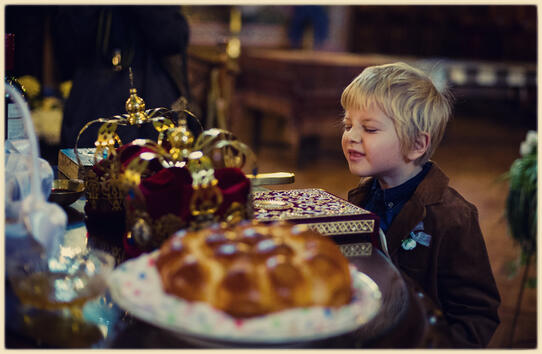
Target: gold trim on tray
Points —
{"points": [[356, 249], [343, 227]]}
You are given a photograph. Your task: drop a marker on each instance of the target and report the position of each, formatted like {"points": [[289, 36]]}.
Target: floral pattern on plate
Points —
{"points": [[136, 286]]}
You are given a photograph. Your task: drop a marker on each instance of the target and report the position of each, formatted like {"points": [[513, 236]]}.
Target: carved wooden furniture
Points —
{"points": [[303, 86]]}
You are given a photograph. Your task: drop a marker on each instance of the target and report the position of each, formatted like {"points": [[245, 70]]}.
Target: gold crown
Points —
{"points": [[111, 179], [104, 184], [148, 233], [108, 139]]}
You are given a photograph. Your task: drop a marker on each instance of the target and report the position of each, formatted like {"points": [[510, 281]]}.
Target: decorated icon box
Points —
{"points": [[354, 229]]}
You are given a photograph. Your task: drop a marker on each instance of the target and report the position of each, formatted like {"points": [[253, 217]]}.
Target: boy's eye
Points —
{"points": [[369, 130], [347, 126]]}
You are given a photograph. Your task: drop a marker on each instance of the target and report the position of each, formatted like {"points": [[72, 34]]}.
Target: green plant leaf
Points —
{"points": [[521, 205], [531, 283], [511, 269]]}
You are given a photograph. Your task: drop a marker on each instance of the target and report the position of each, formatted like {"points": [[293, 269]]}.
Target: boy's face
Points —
{"points": [[371, 147]]}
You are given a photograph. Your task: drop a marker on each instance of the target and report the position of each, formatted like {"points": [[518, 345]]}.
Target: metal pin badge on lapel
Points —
{"points": [[408, 243]]}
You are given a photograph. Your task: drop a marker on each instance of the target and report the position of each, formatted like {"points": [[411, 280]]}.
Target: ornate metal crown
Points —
{"points": [[128, 179]]}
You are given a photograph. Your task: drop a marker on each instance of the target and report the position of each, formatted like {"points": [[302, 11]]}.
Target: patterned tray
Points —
{"points": [[321, 211]]}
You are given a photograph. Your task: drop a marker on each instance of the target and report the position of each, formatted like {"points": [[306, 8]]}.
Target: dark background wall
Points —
{"points": [[495, 32]]}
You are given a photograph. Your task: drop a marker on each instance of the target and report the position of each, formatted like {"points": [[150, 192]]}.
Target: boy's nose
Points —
{"points": [[354, 135]]}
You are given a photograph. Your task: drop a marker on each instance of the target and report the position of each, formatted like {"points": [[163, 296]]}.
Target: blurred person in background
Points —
{"points": [[311, 18], [95, 47]]}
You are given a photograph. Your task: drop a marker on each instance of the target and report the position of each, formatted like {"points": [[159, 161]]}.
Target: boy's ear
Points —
{"points": [[421, 144]]}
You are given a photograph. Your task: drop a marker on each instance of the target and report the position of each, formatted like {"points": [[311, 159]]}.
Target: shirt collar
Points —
{"points": [[401, 192]]}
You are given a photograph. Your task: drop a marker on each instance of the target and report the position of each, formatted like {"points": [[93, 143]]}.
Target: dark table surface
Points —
{"points": [[407, 319]]}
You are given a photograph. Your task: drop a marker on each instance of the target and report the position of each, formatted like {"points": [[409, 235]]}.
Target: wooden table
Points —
{"points": [[407, 319], [303, 86]]}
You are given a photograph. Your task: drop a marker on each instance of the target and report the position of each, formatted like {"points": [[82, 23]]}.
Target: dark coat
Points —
{"points": [[454, 270], [86, 38]]}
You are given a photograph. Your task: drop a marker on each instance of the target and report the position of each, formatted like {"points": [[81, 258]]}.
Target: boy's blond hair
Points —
{"points": [[408, 96]]}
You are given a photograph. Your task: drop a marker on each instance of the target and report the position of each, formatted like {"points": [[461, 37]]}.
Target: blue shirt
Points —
{"points": [[387, 203]]}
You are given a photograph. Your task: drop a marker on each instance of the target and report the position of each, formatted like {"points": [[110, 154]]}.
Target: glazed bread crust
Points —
{"points": [[254, 269]]}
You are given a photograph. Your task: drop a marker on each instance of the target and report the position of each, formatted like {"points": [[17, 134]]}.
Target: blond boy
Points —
{"points": [[394, 120]]}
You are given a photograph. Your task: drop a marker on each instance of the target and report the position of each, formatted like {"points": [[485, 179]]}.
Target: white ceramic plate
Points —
{"points": [[136, 287]]}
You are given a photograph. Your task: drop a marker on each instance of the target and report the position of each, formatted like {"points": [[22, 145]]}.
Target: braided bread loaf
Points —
{"points": [[254, 269]]}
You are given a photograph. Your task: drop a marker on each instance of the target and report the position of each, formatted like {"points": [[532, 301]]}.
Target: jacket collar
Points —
{"points": [[432, 187], [429, 191], [357, 195]]}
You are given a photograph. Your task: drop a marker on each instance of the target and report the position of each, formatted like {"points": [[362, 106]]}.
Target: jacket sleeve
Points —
{"points": [[467, 291]]}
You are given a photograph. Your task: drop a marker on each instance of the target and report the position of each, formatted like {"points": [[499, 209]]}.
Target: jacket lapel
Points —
{"points": [[429, 192], [410, 215]]}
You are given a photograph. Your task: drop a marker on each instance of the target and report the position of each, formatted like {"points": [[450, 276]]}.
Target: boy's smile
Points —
{"points": [[354, 155], [372, 148]]}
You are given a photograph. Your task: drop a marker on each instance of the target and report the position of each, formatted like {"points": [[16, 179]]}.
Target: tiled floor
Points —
{"points": [[474, 154]]}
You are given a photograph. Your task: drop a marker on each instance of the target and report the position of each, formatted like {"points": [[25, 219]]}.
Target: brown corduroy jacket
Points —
{"points": [[454, 268]]}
